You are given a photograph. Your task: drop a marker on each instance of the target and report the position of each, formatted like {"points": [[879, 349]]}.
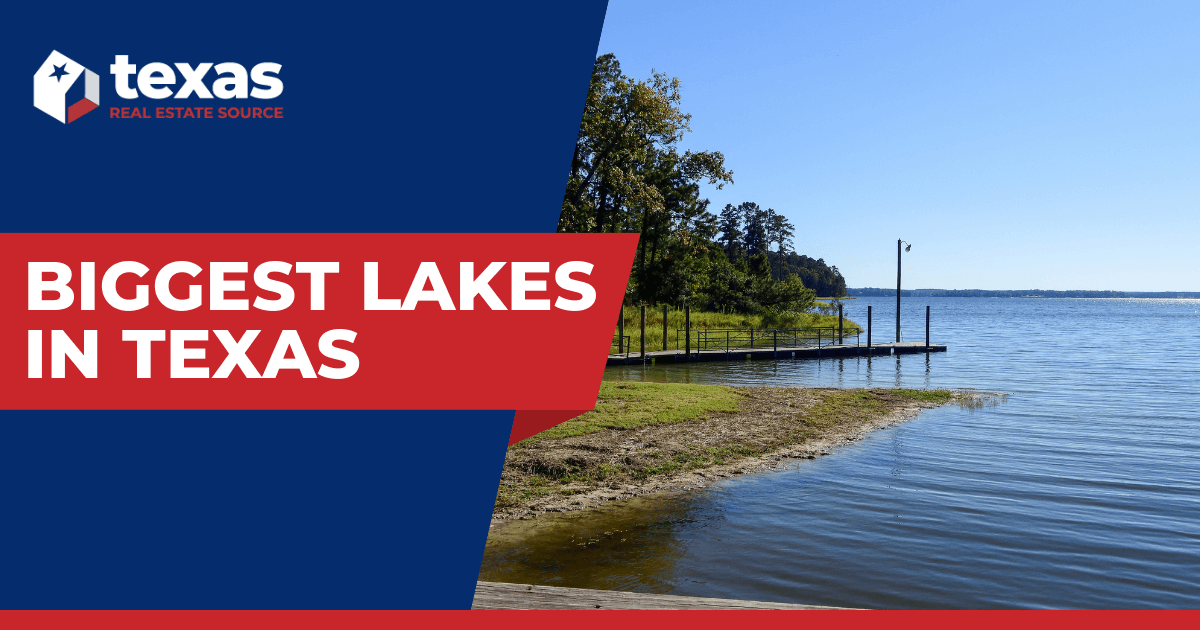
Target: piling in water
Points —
{"points": [[621, 332], [687, 330], [664, 327], [643, 331]]}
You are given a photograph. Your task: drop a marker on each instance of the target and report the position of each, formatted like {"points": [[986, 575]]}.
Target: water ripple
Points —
{"points": [[1082, 490]]}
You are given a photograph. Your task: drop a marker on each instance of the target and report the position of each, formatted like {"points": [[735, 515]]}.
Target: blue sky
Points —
{"points": [[1051, 145]]}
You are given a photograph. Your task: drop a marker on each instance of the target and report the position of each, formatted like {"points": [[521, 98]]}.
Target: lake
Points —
{"points": [[1080, 490]]}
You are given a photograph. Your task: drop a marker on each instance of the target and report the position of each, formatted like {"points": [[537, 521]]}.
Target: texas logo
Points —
{"points": [[55, 79]]}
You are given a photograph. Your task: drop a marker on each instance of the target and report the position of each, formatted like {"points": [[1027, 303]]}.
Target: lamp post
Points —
{"points": [[907, 249]]}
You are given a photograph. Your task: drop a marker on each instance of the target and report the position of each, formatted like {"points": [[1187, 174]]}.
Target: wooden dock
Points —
{"points": [[500, 596], [759, 354]]}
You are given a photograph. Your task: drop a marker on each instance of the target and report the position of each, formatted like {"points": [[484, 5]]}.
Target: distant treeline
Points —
{"points": [[1019, 293]]}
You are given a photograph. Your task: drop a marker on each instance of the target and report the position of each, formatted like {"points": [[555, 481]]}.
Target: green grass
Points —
{"points": [[835, 405], [939, 396], [631, 405], [675, 317]]}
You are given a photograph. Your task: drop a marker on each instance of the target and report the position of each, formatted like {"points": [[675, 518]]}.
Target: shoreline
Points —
{"points": [[769, 427]]}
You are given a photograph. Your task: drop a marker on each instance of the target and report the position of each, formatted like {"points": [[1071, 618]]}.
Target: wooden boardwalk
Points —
{"points": [[500, 596], [759, 354]]}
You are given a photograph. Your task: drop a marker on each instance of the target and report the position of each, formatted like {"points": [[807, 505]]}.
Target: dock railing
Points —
{"points": [[620, 345], [729, 339]]}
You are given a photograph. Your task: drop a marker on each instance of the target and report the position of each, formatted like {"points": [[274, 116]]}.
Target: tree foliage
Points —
{"points": [[825, 279], [629, 175]]}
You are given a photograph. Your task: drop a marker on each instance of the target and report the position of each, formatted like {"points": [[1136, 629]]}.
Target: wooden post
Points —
{"points": [[687, 330], [643, 332], [775, 344], [664, 326], [621, 332], [868, 331], [751, 337], [839, 323], [926, 329]]}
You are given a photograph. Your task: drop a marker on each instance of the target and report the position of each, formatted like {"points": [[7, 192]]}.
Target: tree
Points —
{"points": [[827, 281], [787, 295], [629, 175], [682, 230], [625, 123], [760, 265], [780, 232], [755, 240], [730, 224]]}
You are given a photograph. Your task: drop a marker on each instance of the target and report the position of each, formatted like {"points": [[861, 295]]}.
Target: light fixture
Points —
{"points": [[907, 249]]}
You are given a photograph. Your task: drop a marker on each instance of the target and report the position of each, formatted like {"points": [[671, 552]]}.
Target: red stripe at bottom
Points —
{"points": [[601, 619]]}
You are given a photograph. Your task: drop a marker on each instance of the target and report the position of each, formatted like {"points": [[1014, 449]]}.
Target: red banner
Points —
{"points": [[310, 321]]}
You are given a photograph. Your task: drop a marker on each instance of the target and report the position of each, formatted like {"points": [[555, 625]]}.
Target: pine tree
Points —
{"points": [[755, 219], [730, 224], [780, 232]]}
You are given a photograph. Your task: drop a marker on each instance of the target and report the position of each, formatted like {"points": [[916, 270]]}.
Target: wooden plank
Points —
{"points": [[500, 596]]}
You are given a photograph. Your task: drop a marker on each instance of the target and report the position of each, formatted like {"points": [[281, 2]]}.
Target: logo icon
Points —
{"points": [[55, 78]]}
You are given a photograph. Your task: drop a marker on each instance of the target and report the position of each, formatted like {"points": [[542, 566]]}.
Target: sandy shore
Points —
{"points": [[772, 425]]}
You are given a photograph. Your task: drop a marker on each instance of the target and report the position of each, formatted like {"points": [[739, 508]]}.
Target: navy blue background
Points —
{"points": [[430, 118]]}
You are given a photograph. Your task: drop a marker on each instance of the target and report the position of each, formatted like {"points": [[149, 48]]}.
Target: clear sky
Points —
{"points": [[1016, 145]]}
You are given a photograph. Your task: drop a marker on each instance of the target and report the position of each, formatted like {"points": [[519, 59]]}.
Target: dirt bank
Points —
{"points": [[770, 426]]}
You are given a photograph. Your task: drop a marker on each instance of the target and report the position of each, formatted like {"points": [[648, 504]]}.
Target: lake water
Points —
{"points": [[1081, 490]]}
